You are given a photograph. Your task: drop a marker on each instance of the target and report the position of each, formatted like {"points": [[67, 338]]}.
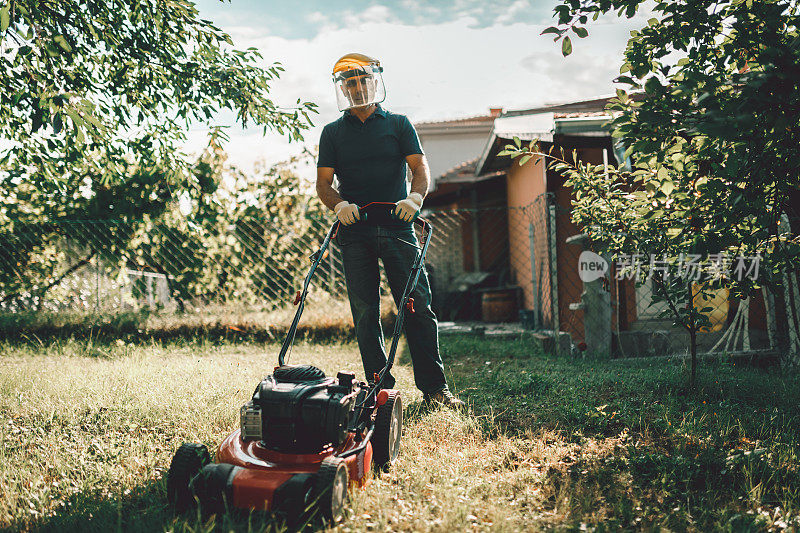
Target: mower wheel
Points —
{"points": [[187, 462], [388, 427], [330, 489], [210, 487]]}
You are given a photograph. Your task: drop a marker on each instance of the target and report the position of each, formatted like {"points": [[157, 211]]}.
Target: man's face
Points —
{"points": [[360, 90]]}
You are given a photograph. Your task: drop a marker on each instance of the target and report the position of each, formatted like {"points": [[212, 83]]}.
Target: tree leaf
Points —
{"points": [[62, 42], [5, 17], [580, 31], [566, 46]]}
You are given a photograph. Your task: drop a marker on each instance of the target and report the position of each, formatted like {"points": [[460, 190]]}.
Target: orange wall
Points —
{"points": [[526, 184]]}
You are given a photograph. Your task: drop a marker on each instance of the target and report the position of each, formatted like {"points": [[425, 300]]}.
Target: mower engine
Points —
{"points": [[298, 409]]}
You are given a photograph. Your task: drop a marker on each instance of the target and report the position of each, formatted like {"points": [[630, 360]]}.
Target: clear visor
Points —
{"points": [[357, 88]]}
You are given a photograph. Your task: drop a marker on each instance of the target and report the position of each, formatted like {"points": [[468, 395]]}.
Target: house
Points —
{"points": [[505, 227], [449, 142]]}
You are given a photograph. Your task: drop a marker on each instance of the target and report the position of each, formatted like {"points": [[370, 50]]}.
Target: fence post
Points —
{"points": [[534, 281], [97, 281], [553, 247], [476, 253]]}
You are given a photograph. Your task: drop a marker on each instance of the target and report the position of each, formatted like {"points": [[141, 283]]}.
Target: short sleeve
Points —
{"points": [[409, 141], [327, 150]]}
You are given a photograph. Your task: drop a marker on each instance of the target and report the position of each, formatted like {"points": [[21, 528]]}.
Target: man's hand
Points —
{"points": [[346, 212], [406, 209]]}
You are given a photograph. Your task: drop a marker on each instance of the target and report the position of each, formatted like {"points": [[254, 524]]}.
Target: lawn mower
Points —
{"points": [[304, 438]]}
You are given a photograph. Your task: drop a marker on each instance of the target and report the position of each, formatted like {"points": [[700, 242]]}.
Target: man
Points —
{"points": [[368, 149]]}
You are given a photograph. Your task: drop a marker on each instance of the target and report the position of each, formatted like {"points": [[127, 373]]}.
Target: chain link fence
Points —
{"points": [[518, 266], [108, 266]]}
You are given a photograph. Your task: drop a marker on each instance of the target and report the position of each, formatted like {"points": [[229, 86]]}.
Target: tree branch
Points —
{"points": [[80, 264]]}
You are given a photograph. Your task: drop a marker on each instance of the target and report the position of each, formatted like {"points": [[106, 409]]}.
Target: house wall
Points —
{"points": [[446, 151], [527, 217], [528, 211]]}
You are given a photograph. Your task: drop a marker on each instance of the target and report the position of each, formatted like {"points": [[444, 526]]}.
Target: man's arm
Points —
{"points": [[420, 179], [420, 174], [329, 196]]}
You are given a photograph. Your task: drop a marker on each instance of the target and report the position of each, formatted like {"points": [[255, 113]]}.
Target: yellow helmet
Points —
{"points": [[358, 81], [354, 62]]}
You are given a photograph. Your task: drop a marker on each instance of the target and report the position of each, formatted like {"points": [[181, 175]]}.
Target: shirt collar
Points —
{"points": [[379, 111]]}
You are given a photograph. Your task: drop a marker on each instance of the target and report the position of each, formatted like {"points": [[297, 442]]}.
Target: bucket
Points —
{"points": [[499, 305]]}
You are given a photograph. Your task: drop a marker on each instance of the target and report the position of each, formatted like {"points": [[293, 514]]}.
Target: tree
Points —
{"points": [[94, 87], [710, 118], [94, 103], [231, 238]]}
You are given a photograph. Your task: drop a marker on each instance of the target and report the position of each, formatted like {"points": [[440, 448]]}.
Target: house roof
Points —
{"points": [[455, 178], [581, 114], [467, 168], [583, 106], [586, 118], [472, 124], [582, 118], [477, 120], [465, 172]]}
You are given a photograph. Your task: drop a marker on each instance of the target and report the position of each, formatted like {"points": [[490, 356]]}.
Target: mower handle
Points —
{"points": [[385, 211]]}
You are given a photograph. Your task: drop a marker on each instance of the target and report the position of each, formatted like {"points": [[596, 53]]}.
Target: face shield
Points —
{"points": [[358, 87]]}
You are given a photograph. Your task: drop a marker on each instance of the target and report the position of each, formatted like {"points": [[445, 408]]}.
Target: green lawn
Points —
{"points": [[87, 432]]}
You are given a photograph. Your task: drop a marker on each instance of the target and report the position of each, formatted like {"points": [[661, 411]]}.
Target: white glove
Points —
{"points": [[406, 209], [346, 212]]}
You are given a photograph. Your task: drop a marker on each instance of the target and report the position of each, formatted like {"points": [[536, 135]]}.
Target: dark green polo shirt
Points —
{"points": [[369, 158]]}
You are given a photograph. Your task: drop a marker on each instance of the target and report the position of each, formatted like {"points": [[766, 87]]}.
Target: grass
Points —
{"points": [[325, 319], [87, 430]]}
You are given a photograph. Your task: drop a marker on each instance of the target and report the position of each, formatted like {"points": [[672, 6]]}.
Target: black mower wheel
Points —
{"points": [[330, 489], [388, 427], [294, 501], [186, 464]]}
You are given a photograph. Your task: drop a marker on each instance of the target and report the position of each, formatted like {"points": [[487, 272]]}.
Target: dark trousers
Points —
{"points": [[362, 245]]}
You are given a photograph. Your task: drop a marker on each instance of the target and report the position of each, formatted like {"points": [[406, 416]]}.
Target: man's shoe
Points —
{"points": [[443, 397]]}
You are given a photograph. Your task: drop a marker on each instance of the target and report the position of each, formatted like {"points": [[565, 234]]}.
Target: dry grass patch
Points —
{"points": [[87, 430]]}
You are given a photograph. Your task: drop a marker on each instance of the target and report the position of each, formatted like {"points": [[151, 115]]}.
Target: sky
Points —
{"points": [[442, 59]]}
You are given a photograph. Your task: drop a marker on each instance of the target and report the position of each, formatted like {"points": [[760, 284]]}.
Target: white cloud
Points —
{"points": [[432, 71], [321, 21], [376, 14], [317, 17], [517, 8], [421, 13]]}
